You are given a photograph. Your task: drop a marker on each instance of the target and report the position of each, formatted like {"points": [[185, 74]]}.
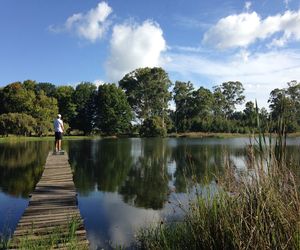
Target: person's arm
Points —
{"points": [[62, 125]]}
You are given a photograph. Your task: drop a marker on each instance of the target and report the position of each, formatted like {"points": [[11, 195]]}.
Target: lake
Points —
{"points": [[122, 184]]}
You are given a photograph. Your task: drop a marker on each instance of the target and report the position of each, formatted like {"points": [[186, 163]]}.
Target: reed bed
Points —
{"points": [[258, 208], [258, 211]]}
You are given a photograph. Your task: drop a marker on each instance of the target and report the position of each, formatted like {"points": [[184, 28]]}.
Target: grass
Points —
{"points": [[13, 138], [257, 212], [207, 135], [257, 209], [57, 238]]}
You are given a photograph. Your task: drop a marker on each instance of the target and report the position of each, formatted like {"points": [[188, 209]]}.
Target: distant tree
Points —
{"points": [[201, 110], [84, 98], [293, 92], [182, 94], [218, 104], [48, 88], [250, 115], [147, 92], [23, 98], [264, 120], [113, 110], [232, 95], [29, 85], [282, 109], [16, 123], [17, 99], [66, 106], [153, 127], [2, 108], [45, 111]]}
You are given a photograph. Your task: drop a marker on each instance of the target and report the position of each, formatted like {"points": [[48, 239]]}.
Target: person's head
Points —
{"points": [[59, 116]]}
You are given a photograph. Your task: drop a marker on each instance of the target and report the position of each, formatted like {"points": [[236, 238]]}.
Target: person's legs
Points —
{"points": [[59, 145], [56, 145]]}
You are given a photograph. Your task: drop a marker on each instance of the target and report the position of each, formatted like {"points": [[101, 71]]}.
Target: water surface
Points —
{"points": [[123, 184]]}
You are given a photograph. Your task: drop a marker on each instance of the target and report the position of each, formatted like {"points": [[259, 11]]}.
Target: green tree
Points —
{"points": [[232, 95], [17, 99], [16, 123], [45, 111], [147, 92], [293, 92], [2, 108], [153, 127], [201, 109], [113, 110], [48, 88], [250, 115], [182, 94], [66, 106], [282, 109], [29, 85], [84, 99]]}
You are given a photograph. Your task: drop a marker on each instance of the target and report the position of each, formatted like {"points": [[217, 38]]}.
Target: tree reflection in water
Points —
{"points": [[139, 169], [21, 166]]}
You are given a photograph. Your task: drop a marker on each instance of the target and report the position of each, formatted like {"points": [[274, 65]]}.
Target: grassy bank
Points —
{"points": [[257, 209], [208, 135], [13, 138]]}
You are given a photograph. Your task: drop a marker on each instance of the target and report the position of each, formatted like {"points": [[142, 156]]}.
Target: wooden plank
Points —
{"points": [[52, 206]]}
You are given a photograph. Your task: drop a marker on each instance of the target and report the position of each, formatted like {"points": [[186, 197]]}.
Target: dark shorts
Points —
{"points": [[58, 135]]}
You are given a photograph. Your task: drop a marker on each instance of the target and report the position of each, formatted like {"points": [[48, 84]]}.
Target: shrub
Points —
{"points": [[153, 127]]}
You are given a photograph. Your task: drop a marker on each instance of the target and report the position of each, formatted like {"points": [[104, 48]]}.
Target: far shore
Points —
{"points": [[14, 138]]}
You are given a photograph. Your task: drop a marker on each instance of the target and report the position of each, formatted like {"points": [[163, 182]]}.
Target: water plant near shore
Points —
{"points": [[255, 209], [262, 212]]}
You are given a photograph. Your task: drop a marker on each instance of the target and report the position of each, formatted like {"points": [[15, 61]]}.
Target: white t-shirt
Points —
{"points": [[58, 125]]}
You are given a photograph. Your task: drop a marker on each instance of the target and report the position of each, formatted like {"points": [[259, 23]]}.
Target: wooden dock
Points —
{"points": [[52, 212]]}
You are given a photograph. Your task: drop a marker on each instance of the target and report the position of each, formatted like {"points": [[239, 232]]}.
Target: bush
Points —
{"points": [[153, 127], [18, 124]]}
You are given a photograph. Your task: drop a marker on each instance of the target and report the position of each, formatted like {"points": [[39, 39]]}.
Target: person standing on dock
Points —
{"points": [[59, 129]]}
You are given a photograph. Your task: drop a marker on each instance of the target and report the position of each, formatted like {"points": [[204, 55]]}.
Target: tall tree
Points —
{"points": [[67, 108], [45, 110], [84, 99], [17, 99], [182, 93], [201, 109], [48, 88], [113, 110], [147, 92], [232, 95], [293, 91], [250, 115], [282, 108]]}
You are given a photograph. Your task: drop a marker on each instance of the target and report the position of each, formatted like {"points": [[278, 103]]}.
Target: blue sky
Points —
{"points": [[205, 42]]}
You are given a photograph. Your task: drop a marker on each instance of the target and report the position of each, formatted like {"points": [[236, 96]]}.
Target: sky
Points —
{"points": [[66, 42]]}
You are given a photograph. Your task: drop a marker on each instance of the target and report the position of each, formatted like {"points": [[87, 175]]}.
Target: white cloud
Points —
{"points": [[286, 2], [246, 28], [247, 6], [260, 73], [134, 45], [91, 25]]}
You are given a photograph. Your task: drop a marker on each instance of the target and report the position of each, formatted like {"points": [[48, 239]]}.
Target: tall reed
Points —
{"points": [[259, 209]]}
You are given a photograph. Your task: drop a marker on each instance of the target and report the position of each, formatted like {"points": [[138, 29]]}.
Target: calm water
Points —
{"points": [[123, 184]]}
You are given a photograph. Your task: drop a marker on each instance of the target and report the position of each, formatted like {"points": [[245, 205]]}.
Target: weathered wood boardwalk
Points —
{"points": [[52, 208]]}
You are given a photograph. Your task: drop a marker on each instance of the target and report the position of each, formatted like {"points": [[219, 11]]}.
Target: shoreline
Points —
{"points": [[14, 138]]}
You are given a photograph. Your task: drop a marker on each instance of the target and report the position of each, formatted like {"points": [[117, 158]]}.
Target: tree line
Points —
{"points": [[141, 104]]}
